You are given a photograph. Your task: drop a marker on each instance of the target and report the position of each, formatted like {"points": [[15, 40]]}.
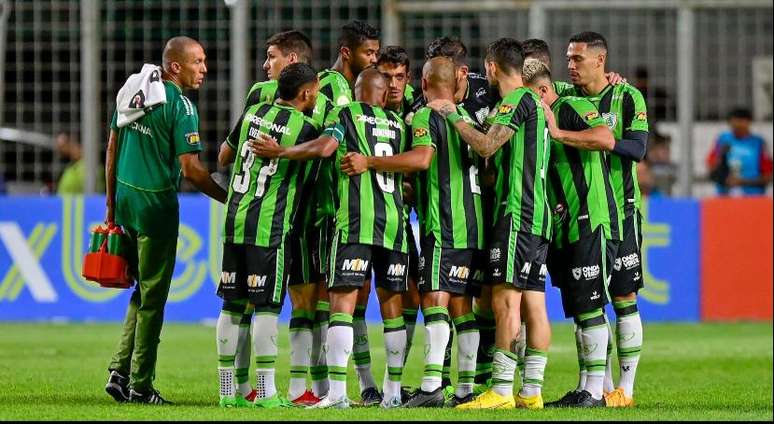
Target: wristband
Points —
{"points": [[454, 117]]}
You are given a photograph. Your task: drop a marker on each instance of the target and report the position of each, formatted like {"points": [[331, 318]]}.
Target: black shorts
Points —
{"points": [[413, 252], [517, 258], [254, 273], [305, 249], [449, 270], [626, 276], [580, 270], [352, 264]]}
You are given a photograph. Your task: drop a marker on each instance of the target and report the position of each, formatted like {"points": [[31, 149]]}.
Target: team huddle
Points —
{"points": [[513, 176]]}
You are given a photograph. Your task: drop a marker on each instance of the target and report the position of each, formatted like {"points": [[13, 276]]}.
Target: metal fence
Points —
{"points": [[47, 47]]}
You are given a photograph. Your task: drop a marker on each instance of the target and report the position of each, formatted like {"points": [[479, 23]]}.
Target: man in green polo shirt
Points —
{"points": [[145, 161]]}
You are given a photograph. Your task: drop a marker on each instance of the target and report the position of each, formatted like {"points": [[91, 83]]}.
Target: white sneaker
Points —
{"points": [[392, 402], [326, 402]]}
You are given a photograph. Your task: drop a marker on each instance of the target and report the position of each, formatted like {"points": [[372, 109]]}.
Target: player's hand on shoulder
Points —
{"points": [[442, 106], [550, 119], [614, 78], [354, 164], [265, 146]]}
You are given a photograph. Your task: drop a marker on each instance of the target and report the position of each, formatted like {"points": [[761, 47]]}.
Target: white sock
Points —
{"points": [[437, 333], [629, 329], [226, 339], [503, 371], [594, 358], [339, 347], [395, 348], [581, 365], [534, 369], [609, 386], [300, 352], [467, 350], [265, 346], [244, 354], [361, 352], [319, 369]]}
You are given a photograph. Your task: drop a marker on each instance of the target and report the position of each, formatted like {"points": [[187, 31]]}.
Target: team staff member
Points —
{"points": [[144, 201]]}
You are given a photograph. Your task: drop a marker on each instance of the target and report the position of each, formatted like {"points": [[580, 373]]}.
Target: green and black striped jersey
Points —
{"points": [[579, 188], [624, 110], [369, 205], [521, 164], [336, 87], [448, 193], [263, 193]]}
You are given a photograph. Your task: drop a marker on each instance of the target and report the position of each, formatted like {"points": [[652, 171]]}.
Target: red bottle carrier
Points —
{"points": [[103, 263]]}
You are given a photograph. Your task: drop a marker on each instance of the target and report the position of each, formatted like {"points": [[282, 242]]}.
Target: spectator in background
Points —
{"points": [[663, 173], [660, 105], [73, 178], [740, 158]]}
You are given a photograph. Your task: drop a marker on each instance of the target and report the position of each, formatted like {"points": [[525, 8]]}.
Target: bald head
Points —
{"points": [[371, 87], [439, 78], [183, 62]]}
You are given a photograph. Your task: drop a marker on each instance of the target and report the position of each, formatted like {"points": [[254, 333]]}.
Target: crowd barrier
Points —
{"points": [[703, 260]]}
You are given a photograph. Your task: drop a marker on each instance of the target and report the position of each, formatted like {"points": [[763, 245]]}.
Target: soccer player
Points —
{"points": [[476, 96], [358, 50], [263, 199], [165, 140], [394, 65], [283, 49], [370, 233], [624, 110], [519, 244], [586, 226], [449, 204]]}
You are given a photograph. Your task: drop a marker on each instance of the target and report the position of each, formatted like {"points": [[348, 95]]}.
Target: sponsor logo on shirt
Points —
{"points": [[505, 109], [610, 119], [591, 115], [641, 116], [140, 128], [374, 120], [420, 132], [257, 120], [192, 138]]}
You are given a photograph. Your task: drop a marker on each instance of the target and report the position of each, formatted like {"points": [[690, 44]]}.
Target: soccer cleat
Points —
{"points": [[241, 402], [489, 400], [228, 402], [250, 397], [423, 399], [585, 400], [306, 399], [480, 389], [152, 398], [392, 402], [566, 400], [529, 402], [456, 400], [371, 397], [405, 394], [326, 402], [448, 392], [118, 386], [272, 402], [618, 399]]}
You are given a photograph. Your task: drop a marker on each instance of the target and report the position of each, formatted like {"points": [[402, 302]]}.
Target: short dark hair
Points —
{"points": [[292, 78], [453, 48], [591, 38], [395, 55], [740, 113], [356, 33], [506, 53], [292, 41], [537, 49]]}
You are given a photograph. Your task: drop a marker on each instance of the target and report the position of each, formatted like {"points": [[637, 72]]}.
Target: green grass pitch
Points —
{"points": [[687, 372]]}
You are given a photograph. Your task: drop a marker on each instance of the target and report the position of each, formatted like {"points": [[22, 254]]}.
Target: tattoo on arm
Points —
{"points": [[485, 144]]}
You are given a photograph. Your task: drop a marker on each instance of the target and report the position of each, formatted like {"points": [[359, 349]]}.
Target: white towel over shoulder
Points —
{"points": [[140, 91]]}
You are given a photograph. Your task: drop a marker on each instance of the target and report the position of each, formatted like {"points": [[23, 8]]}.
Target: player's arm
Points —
{"points": [[484, 144], [110, 176], [595, 135], [267, 147], [228, 149], [195, 172], [416, 159], [634, 140]]}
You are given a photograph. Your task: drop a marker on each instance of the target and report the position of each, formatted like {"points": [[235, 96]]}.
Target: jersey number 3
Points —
{"points": [[241, 181]]}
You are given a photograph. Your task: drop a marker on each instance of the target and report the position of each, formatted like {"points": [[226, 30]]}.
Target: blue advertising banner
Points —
{"points": [[44, 240]]}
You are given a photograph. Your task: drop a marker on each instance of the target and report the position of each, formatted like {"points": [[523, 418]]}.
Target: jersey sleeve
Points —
{"points": [[114, 121], [233, 137], [635, 114], [420, 129], [512, 114], [334, 127], [185, 133], [564, 89]]}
